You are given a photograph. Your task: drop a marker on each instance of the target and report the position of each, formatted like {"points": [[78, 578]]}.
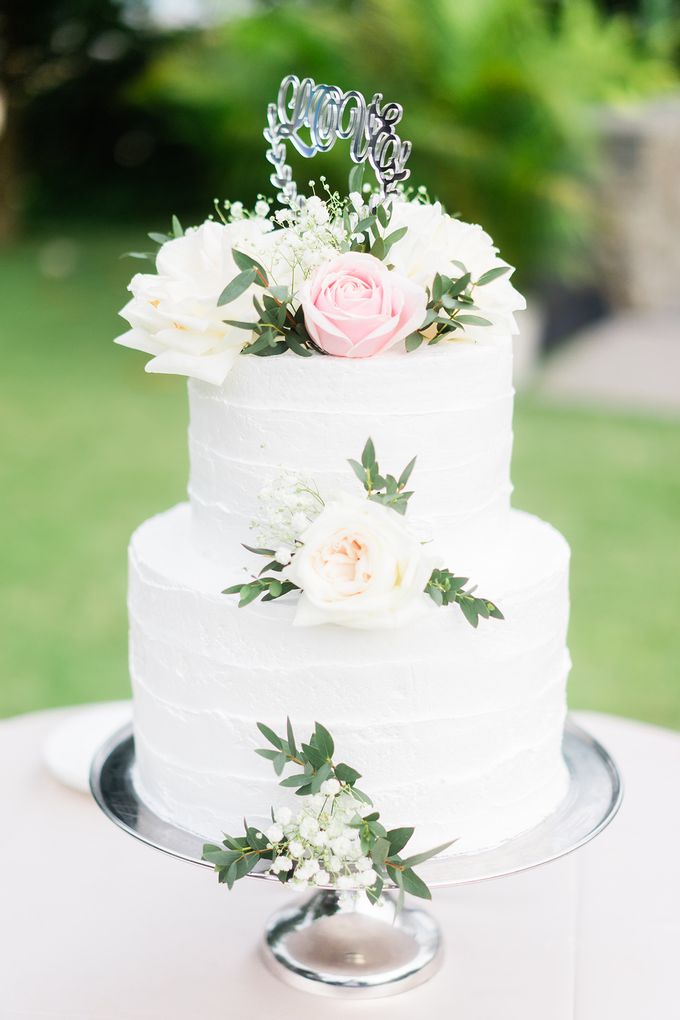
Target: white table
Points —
{"points": [[95, 926]]}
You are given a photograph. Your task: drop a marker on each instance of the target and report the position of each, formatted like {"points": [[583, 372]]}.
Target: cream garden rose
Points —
{"points": [[174, 314], [434, 242], [359, 566], [355, 307]]}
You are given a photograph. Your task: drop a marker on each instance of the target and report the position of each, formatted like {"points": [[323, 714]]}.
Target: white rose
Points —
{"points": [[359, 566], [434, 241], [174, 314]]}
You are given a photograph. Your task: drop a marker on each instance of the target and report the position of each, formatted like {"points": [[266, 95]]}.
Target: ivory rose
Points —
{"points": [[355, 307], [359, 566], [174, 315], [434, 242]]}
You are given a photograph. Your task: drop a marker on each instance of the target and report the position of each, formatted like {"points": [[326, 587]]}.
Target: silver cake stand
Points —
{"points": [[325, 947]]}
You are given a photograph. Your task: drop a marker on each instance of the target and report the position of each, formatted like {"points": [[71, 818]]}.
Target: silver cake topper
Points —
{"points": [[328, 113]]}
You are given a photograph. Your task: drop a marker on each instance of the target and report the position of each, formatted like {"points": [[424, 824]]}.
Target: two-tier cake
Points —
{"points": [[348, 319]]}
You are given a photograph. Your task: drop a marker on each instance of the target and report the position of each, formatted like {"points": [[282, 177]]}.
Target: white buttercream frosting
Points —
{"points": [[450, 404], [456, 731]]}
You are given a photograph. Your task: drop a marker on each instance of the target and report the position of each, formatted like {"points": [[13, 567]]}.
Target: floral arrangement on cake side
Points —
{"points": [[336, 840], [349, 276], [354, 560]]}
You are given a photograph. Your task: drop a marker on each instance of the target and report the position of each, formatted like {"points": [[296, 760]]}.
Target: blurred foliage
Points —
{"points": [[498, 98], [70, 143]]}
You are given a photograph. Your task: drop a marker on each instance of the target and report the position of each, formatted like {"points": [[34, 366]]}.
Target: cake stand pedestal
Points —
{"points": [[362, 951]]}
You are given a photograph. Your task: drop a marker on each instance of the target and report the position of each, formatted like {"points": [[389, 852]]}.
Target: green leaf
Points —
{"points": [[237, 286], [249, 592], [473, 320], [145, 255], [459, 285], [494, 611], [280, 292], [382, 215], [218, 855], [492, 274], [359, 471], [360, 795], [235, 589], [398, 838], [346, 774], [158, 238], [414, 885], [469, 612], [379, 852], [177, 229], [314, 755], [244, 262], [291, 738], [437, 287], [364, 225], [413, 341], [268, 753], [258, 550], [426, 855], [374, 892], [368, 454], [297, 780], [286, 587], [269, 735], [378, 248], [250, 326], [324, 740], [395, 236], [407, 472], [356, 178]]}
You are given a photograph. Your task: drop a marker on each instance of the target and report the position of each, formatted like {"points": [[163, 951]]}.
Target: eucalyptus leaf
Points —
{"points": [[238, 286]]}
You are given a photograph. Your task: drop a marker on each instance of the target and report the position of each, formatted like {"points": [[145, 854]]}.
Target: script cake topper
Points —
{"points": [[328, 113]]}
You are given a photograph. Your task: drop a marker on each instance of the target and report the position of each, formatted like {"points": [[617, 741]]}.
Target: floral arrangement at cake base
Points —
{"points": [[336, 840]]}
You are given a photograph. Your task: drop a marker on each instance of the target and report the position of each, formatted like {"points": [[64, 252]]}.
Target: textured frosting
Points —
{"points": [[455, 731], [451, 405]]}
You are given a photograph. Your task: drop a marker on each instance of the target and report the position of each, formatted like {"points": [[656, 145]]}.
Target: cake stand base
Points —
{"points": [[359, 951]]}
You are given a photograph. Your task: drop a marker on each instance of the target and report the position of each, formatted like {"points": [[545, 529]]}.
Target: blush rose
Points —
{"points": [[359, 566], [355, 307]]}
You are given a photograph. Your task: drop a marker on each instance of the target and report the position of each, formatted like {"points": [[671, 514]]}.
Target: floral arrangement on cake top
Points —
{"points": [[354, 560], [350, 276]]}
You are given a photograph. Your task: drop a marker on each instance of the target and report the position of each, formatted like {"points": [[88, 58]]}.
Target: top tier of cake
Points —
{"points": [[451, 405]]}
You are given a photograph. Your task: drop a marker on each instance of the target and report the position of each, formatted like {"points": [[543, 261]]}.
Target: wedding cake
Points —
{"points": [[379, 330]]}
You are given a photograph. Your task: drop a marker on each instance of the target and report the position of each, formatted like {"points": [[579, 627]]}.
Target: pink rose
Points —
{"points": [[356, 307]]}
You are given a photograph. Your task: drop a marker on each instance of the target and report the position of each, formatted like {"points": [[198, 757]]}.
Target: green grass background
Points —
{"points": [[90, 446]]}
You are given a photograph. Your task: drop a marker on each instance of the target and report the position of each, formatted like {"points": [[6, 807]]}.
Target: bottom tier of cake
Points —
{"points": [[456, 731]]}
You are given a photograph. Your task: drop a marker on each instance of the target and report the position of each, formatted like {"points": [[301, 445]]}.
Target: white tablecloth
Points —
{"points": [[95, 926]]}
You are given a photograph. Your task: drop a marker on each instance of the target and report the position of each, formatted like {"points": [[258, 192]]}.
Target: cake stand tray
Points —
{"points": [[365, 951]]}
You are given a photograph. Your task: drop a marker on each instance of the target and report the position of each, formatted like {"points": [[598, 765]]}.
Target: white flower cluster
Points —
{"points": [[287, 506], [320, 843]]}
